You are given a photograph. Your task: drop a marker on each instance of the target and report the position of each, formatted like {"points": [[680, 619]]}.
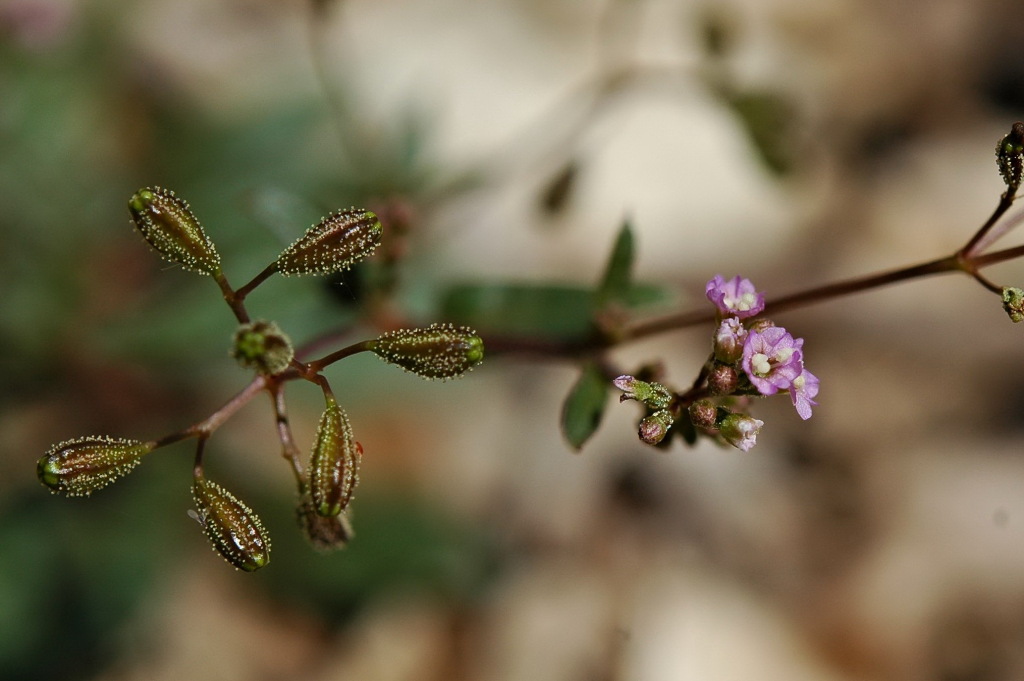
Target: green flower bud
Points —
{"points": [[1013, 303], [334, 465], [437, 351], [1010, 157], [334, 244], [740, 430], [79, 467], [262, 346], [235, 531], [324, 533], [651, 394], [167, 223], [654, 428]]}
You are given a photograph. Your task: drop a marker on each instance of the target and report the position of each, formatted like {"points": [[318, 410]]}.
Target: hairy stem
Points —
{"points": [[289, 450]]}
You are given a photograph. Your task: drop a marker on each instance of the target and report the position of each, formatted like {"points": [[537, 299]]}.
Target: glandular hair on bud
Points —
{"points": [[704, 414], [1010, 157], [236, 533], [722, 380], [651, 394], [654, 428], [324, 533], [334, 464], [168, 225], [262, 346], [79, 467], [438, 351], [334, 244]]}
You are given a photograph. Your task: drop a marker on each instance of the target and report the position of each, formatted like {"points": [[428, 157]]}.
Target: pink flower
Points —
{"points": [[740, 430], [729, 339], [734, 298], [803, 391], [772, 360]]}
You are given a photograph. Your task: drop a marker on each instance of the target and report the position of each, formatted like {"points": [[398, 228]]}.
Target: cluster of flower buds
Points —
{"points": [[82, 466], [750, 357]]}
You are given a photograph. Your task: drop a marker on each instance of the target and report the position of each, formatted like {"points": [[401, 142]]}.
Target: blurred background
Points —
{"points": [[503, 143]]}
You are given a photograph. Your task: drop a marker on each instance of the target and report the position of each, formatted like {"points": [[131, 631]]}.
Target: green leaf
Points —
{"points": [[616, 282], [769, 120], [644, 295], [584, 407], [553, 312]]}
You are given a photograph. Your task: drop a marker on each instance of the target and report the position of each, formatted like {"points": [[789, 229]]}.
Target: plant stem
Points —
{"points": [[978, 241], [952, 263], [318, 364], [232, 298], [289, 449], [241, 293]]}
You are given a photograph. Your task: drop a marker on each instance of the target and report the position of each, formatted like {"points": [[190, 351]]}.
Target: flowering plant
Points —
{"points": [[750, 356]]}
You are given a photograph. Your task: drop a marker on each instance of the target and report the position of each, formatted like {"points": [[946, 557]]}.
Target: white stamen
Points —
{"points": [[760, 364]]}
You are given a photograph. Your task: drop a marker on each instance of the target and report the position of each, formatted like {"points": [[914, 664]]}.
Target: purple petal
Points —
{"points": [[803, 392]]}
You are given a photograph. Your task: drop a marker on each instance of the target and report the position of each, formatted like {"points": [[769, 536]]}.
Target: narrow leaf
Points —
{"points": [[553, 312], [584, 407], [618, 273]]}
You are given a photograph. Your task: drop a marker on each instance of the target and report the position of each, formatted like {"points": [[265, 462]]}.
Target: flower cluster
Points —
{"points": [[771, 359], [750, 357]]}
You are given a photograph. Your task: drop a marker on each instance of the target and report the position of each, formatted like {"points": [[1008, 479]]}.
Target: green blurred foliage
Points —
{"points": [[73, 574], [401, 545]]}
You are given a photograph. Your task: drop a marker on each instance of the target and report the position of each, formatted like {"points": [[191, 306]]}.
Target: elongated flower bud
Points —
{"points": [[437, 351], [654, 395], [235, 531], [167, 223], [79, 467], [1010, 157], [324, 533], [334, 244], [334, 465]]}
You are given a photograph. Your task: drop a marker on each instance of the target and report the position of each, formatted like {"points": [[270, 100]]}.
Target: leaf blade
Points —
{"points": [[617, 279], [584, 406]]}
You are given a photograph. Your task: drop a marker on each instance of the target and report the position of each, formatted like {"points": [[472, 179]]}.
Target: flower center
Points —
{"points": [[742, 303], [761, 364]]}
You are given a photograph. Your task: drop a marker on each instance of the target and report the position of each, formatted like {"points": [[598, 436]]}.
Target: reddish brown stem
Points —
{"points": [[289, 449]]}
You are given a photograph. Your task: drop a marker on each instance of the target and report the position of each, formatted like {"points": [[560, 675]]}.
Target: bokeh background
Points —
{"points": [[504, 142]]}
